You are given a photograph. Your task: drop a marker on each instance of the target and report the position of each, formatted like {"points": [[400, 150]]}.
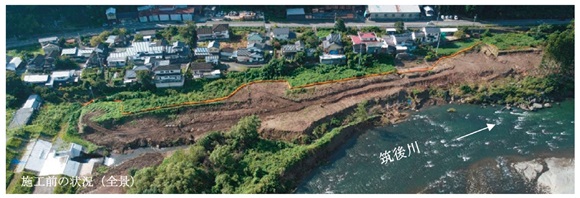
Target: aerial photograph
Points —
{"points": [[289, 99]]}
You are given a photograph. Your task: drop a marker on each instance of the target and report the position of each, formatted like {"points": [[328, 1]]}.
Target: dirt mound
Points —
{"points": [[288, 116]]}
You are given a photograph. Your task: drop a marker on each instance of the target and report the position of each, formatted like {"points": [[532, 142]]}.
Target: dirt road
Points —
{"points": [[288, 116]]}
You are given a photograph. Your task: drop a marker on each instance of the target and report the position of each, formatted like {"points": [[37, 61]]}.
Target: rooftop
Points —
{"points": [[69, 51], [394, 9], [38, 155], [21, 118], [35, 78], [48, 39], [31, 100], [15, 62], [295, 11]]}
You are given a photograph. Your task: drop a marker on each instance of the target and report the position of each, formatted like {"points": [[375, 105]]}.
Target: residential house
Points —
{"points": [[77, 54], [226, 53], [332, 44], [35, 79], [389, 12], [131, 74], [117, 41], [49, 48], [23, 115], [203, 70], [48, 40], [165, 13], [243, 55], [213, 59], [62, 78], [333, 59], [295, 14], [290, 50], [367, 42], [280, 33], [168, 76], [180, 46], [15, 64], [142, 50], [432, 34], [42, 63], [334, 11], [117, 61], [216, 32], [98, 56], [148, 35], [201, 52], [258, 47], [213, 47], [255, 38]]}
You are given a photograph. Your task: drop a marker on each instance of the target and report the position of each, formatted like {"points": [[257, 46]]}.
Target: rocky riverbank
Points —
{"points": [[551, 175]]}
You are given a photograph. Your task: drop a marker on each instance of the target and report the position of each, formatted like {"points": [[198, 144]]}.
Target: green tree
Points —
{"points": [[96, 40], [145, 79], [400, 27], [221, 157], [299, 57], [138, 37], [339, 25], [189, 34], [245, 133], [460, 34], [65, 63], [560, 50], [122, 32]]}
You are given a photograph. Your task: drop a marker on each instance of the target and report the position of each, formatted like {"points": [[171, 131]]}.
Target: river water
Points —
{"points": [[445, 165]]}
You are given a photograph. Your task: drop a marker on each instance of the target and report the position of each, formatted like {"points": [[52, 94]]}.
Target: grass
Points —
{"points": [[323, 73], [30, 49], [17, 187], [512, 41], [452, 47], [323, 32], [9, 115]]}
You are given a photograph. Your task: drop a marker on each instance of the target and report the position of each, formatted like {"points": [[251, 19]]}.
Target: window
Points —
{"points": [[392, 15], [385, 15], [402, 15]]}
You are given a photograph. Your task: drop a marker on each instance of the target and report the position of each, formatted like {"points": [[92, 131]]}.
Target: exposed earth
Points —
{"points": [[288, 116]]}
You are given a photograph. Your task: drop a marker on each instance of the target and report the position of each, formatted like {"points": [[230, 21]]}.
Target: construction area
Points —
{"points": [[288, 116]]}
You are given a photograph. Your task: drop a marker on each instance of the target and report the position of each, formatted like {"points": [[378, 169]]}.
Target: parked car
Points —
{"points": [[455, 17]]}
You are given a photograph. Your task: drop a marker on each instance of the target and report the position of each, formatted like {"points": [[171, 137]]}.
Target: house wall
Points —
{"points": [[187, 17], [154, 18], [296, 17], [387, 15], [170, 84], [164, 17], [332, 61], [175, 17], [116, 63]]}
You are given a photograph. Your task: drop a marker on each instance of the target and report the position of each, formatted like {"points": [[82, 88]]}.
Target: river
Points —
{"points": [[443, 164]]}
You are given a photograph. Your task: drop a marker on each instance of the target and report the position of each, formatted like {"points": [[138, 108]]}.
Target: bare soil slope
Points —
{"points": [[286, 117]]}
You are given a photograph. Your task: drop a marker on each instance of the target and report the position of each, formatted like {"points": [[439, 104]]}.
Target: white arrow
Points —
{"points": [[489, 127]]}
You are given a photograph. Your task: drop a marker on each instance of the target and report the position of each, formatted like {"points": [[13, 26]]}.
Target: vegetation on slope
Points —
{"points": [[238, 161]]}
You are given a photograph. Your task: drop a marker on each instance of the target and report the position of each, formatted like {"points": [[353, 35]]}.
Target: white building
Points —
{"points": [[386, 12]]}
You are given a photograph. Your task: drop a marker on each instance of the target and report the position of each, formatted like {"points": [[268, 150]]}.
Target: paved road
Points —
{"points": [[12, 42]]}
